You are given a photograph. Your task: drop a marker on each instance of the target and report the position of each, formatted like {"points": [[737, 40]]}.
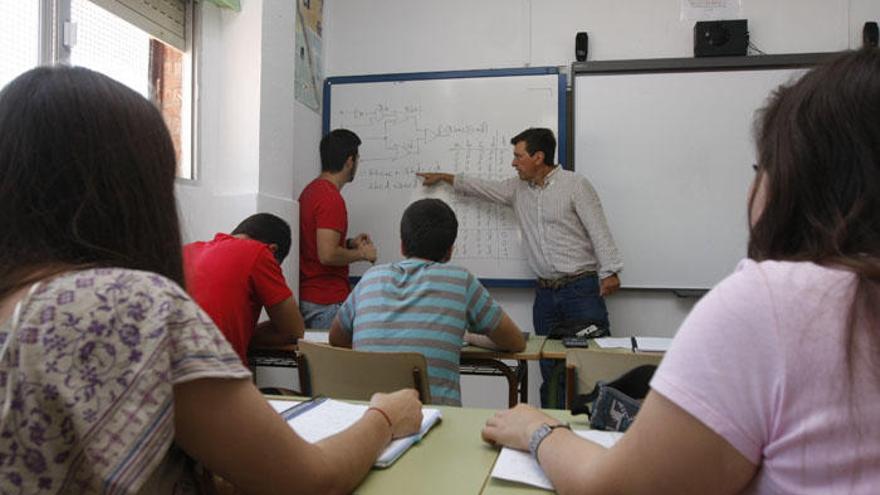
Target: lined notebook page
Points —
{"points": [[332, 416]]}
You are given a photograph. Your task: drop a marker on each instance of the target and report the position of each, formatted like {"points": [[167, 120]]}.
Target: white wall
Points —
{"points": [[228, 100], [258, 147], [246, 116], [388, 36], [380, 36]]}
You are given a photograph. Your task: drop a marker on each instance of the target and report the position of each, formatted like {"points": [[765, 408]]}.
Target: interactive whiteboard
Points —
{"points": [[668, 146], [456, 122]]}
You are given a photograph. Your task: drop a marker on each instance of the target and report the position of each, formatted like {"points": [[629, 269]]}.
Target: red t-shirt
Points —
{"points": [[232, 279], [321, 207]]}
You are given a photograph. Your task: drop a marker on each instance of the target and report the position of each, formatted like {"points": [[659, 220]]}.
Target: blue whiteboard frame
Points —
{"points": [[562, 130]]}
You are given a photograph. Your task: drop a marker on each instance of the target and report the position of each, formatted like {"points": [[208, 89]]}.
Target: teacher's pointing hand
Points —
{"points": [[431, 178]]}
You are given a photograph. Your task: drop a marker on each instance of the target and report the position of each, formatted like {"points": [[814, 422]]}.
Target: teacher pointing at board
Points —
{"points": [[569, 245]]}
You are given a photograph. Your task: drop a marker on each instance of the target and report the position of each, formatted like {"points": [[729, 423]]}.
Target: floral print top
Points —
{"points": [[86, 382]]}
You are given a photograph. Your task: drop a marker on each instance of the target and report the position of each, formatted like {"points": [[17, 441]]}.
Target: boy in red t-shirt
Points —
{"points": [[233, 277], [324, 251]]}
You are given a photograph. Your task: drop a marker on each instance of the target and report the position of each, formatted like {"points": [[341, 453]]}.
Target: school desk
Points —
{"points": [[553, 349], [474, 361], [452, 458]]}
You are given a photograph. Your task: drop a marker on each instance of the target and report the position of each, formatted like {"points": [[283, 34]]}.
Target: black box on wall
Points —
{"points": [[721, 38]]}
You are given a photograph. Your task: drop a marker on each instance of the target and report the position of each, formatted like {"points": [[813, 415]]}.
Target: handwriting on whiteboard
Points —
{"points": [[396, 145]]}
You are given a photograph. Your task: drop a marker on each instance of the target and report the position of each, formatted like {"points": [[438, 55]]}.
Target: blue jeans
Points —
{"points": [[579, 300], [318, 316]]}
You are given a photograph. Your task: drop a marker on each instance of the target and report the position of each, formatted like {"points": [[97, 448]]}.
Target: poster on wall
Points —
{"points": [[308, 65]]}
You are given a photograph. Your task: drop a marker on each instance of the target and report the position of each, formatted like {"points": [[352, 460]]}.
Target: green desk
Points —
{"points": [[501, 487], [451, 459], [553, 349], [474, 361], [486, 362]]}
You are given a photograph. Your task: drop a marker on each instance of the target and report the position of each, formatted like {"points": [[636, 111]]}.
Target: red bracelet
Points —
{"points": [[383, 413]]}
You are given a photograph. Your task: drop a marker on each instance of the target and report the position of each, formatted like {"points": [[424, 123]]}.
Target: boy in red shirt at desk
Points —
{"points": [[232, 278]]}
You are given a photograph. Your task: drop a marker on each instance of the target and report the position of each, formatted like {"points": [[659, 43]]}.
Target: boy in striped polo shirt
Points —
{"points": [[422, 304]]}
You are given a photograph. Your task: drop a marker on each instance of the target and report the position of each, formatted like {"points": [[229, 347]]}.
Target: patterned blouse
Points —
{"points": [[87, 366]]}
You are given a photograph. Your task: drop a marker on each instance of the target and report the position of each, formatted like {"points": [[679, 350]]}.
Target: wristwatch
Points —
{"points": [[540, 434]]}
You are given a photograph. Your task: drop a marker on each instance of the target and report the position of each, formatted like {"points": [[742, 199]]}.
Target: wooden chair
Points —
{"points": [[585, 367], [356, 375]]}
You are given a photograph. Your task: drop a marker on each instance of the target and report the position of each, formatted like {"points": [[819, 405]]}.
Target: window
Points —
{"points": [[111, 46], [128, 40], [19, 29]]}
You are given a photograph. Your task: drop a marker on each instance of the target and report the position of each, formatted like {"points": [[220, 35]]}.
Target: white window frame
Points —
{"points": [[55, 31]]}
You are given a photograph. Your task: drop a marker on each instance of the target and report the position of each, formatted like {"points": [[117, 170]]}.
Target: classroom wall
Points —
{"points": [[246, 117], [258, 147], [387, 36]]}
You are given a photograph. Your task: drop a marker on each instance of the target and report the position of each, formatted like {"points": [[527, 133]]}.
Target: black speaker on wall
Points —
{"points": [[581, 46], [870, 34], [721, 38]]}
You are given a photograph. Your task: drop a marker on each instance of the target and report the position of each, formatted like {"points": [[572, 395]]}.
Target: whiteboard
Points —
{"points": [[458, 122], [670, 153]]}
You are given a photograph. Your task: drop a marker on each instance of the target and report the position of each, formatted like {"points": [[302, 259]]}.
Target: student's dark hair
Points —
{"points": [[336, 147], [538, 139], [87, 173], [818, 143], [268, 229], [428, 229]]}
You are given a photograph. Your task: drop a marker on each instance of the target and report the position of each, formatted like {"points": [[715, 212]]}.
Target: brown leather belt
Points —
{"points": [[558, 283]]}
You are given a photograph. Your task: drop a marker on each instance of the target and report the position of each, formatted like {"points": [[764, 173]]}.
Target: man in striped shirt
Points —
{"points": [[422, 304], [568, 241]]}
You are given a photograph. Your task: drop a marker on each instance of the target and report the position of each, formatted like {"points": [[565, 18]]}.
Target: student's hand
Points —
{"points": [[367, 252], [514, 427], [609, 285], [361, 239], [429, 179], [403, 408]]}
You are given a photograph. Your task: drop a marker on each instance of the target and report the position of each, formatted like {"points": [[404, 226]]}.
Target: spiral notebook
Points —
{"points": [[317, 419]]}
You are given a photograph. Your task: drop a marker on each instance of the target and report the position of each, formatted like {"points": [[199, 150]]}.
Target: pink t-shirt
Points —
{"points": [[761, 361]]}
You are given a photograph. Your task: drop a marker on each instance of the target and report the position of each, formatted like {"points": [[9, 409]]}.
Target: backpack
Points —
{"points": [[615, 403]]}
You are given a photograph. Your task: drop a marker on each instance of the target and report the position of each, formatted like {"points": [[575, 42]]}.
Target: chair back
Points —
{"points": [[356, 375], [585, 367]]}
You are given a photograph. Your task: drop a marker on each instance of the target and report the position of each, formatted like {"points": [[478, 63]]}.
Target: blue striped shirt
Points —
{"points": [[420, 306]]}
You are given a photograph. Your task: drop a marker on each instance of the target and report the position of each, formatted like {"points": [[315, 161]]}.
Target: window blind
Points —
{"points": [[164, 20]]}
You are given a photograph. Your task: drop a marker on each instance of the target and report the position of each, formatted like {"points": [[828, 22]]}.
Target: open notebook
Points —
{"points": [[515, 465], [318, 419]]}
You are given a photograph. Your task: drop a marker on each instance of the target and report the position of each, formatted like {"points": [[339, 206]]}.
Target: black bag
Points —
{"points": [[615, 404], [571, 328]]}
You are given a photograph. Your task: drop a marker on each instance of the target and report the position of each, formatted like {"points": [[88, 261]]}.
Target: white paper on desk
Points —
{"points": [[319, 336], [332, 416], [649, 344], [653, 344], [519, 466], [614, 342]]}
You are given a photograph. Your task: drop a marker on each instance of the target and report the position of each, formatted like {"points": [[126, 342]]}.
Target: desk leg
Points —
{"points": [[523, 371], [497, 367], [557, 378]]}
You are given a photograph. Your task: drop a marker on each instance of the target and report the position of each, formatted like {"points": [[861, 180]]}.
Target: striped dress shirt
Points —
{"points": [[420, 306], [562, 222]]}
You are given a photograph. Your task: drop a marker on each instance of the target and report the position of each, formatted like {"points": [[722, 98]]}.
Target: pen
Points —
{"points": [[302, 407], [635, 347]]}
